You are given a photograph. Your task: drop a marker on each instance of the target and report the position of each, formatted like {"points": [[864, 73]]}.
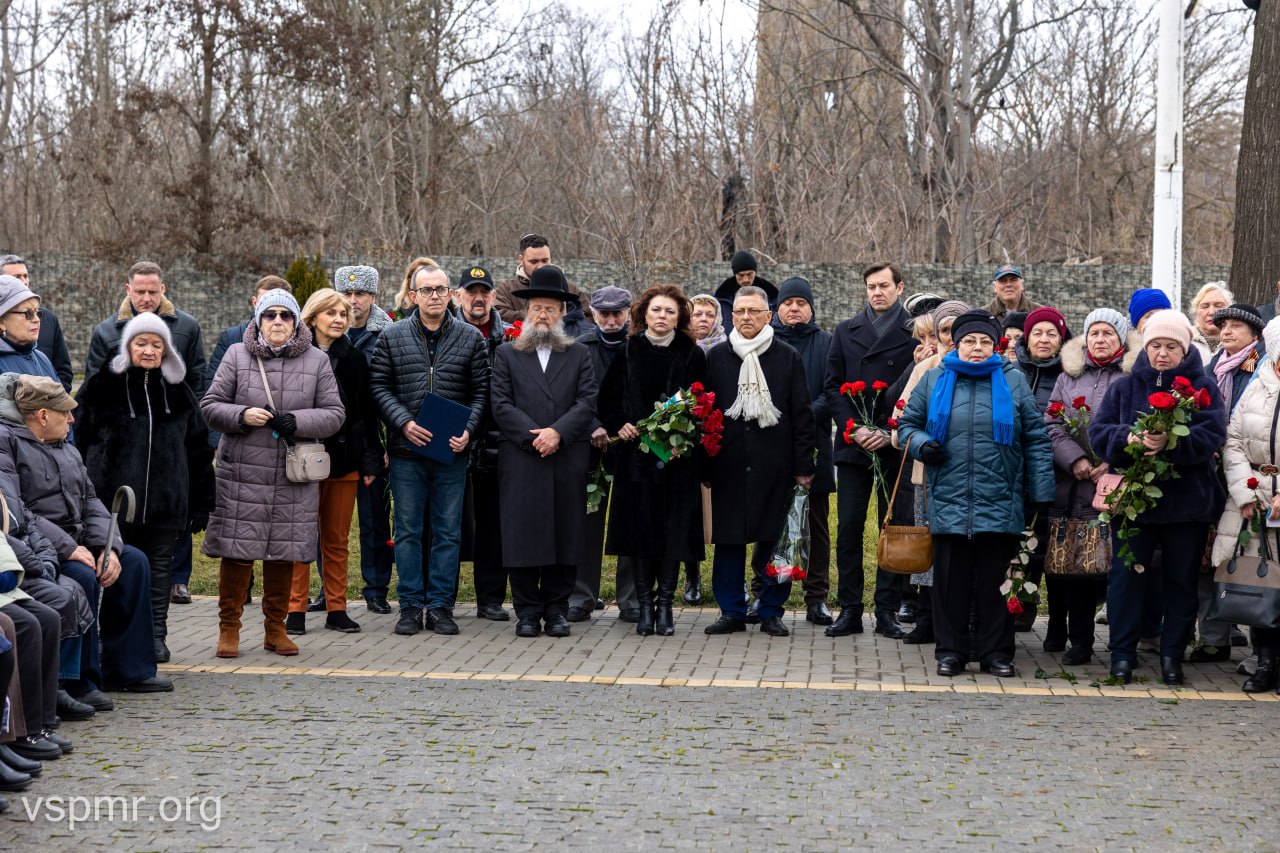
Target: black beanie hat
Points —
{"points": [[975, 320], [793, 287], [743, 261]]}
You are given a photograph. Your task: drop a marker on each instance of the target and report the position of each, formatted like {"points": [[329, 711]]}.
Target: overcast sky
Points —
{"points": [[737, 17]]}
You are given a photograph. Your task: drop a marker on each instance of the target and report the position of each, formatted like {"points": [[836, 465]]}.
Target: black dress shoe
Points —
{"points": [[529, 626], [317, 605], [557, 626], [1077, 656], [887, 626], [1171, 671], [819, 614], [338, 620], [1210, 654], [921, 634], [295, 624], [753, 612], [440, 620], [599, 604], [630, 614], [180, 594], [492, 612], [1000, 668], [97, 700], [161, 652], [377, 605], [156, 684], [13, 780], [70, 708], [773, 626], [725, 625], [950, 666], [36, 748], [57, 740], [579, 614], [25, 765], [848, 622], [1238, 638], [907, 612], [1122, 671]]}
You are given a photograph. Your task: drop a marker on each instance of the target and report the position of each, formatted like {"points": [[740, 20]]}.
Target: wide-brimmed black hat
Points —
{"points": [[547, 281]]}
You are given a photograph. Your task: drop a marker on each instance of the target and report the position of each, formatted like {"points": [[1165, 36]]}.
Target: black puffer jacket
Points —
{"points": [[357, 446], [1041, 376], [403, 372], [134, 429]]}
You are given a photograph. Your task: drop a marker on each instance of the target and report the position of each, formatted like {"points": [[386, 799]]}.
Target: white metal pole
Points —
{"points": [[1166, 222]]}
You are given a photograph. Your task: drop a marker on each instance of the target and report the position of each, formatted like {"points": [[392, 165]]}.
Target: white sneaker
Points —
{"points": [[1248, 666], [1101, 618]]}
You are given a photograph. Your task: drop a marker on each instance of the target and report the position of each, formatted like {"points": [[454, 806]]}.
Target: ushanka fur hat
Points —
{"points": [[172, 367]]}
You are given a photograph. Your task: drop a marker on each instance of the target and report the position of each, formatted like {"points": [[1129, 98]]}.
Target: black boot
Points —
{"points": [[644, 593], [1267, 675], [668, 578], [693, 585]]}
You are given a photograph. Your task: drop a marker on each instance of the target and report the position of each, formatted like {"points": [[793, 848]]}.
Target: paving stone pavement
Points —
{"points": [[492, 743]]}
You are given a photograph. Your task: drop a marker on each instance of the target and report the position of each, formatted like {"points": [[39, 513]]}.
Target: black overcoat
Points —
{"points": [[542, 502], [753, 475], [656, 509]]}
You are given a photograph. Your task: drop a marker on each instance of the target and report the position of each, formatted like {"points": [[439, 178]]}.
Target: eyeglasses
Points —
{"points": [[440, 291], [272, 316], [544, 310], [749, 312], [30, 315]]}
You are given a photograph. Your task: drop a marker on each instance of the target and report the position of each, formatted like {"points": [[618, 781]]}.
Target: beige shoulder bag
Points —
{"points": [[304, 462]]}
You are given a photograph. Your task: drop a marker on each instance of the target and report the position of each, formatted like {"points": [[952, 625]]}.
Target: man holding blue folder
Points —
{"points": [[430, 378]]}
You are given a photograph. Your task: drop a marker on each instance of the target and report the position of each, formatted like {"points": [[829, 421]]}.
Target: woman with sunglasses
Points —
{"points": [[19, 330], [261, 514]]}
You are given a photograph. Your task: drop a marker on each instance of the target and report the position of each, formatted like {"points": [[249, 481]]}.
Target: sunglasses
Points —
{"points": [[272, 316], [30, 315]]}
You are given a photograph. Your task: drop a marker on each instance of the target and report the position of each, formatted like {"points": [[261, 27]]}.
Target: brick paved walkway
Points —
{"points": [[607, 740]]}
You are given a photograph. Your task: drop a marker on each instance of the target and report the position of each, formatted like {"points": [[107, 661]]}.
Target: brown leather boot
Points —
{"points": [[234, 577], [277, 580]]}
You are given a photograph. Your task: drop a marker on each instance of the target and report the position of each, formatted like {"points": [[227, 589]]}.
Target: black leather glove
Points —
{"points": [[284, 425], [932, 453], [199, 521]]}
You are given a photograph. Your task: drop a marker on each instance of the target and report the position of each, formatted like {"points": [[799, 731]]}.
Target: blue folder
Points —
{"points": [[444, 419]]}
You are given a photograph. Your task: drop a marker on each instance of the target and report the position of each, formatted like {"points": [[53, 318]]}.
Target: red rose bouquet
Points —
{"points": [[679, 423], [1138, 491], [1077, 426]]}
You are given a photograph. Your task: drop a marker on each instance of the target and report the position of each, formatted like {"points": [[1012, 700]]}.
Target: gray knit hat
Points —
{"points": [[276, 299], [358, 278], [1112, 318]]}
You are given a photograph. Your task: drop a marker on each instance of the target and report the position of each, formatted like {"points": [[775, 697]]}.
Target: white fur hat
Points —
{"points": [[172, 367]]}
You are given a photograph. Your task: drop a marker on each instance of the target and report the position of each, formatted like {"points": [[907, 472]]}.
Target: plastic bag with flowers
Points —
{"points": [[790, 560], [680, 423]]}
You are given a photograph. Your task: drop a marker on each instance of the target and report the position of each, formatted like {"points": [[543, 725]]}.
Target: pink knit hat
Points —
{"points": [[1169, 324]]}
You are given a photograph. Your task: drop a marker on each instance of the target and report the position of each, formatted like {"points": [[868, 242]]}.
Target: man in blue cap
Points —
{"points": [[1010, 293]]}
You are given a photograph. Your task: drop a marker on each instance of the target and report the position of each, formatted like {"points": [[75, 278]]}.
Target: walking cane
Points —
{"points": [[124, 495]]}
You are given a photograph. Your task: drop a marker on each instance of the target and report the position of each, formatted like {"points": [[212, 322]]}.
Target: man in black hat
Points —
{"points": [[610, 308], [544, 394], [482, 542], [745, 274], [430, 352]]}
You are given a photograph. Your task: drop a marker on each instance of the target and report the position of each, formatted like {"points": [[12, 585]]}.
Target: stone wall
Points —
{"points": [[83, 290]]}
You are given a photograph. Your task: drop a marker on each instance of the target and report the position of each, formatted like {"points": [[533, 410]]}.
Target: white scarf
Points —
{"points": [[754, 402], [660, 340]]}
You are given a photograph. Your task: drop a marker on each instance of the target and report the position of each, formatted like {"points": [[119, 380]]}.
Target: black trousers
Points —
{"points": [[158, 544], [481, 529], [854, 484], [541, 592], [967, 574], [1072, 602], [36, 628]]}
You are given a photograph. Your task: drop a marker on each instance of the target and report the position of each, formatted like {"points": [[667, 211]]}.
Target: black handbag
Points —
{"points": [[1246, 590]]}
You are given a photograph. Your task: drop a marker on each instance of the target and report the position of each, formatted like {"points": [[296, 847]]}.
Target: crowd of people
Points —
{"points": [[466, 423]]}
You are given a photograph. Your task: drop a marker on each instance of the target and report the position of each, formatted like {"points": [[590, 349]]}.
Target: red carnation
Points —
{"points": [[1202, 399], [1002, 345], [901, 404], [1014, 606], [391, 543], [892, 423], [1252, 483], [879, 386], [1162, 402], [853, 387], [1056, 408], [513, 331]]}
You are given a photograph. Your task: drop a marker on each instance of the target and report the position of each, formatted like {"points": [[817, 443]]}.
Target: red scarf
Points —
{"points": [[1112, 360]]}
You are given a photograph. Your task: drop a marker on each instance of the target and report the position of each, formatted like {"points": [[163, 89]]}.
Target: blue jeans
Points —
{"points": [[423, 487], [728, 574], [180, 567]]}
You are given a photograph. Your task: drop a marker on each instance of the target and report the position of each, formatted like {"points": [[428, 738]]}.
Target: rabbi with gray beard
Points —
{"points": [[544, 398]]}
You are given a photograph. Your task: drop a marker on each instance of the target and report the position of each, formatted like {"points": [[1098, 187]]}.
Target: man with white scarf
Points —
{"points": [[768, 449]]}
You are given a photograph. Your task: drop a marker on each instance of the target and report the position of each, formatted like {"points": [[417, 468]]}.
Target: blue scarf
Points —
{"points": [[1001, 397]]}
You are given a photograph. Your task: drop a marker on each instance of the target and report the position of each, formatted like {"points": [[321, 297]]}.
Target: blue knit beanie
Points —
{"points": [[1145, 300]]}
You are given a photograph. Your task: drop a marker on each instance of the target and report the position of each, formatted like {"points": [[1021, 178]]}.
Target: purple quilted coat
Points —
{"points": [[261, 515]]}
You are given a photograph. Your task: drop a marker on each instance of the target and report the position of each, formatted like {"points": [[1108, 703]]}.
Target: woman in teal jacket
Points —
{"points": [[975, 425]]}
